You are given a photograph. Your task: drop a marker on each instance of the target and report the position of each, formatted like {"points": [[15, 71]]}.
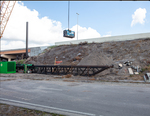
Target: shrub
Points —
{"points": [[20, 61]]}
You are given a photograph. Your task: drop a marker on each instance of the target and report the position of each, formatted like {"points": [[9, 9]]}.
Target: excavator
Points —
{"points": [[6, 8]]}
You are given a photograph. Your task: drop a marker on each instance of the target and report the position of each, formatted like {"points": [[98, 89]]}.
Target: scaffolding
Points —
{"points": [[6, 8]]}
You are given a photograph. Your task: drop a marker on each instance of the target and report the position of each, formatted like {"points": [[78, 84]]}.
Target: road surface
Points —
{"points": [[97, 99]]}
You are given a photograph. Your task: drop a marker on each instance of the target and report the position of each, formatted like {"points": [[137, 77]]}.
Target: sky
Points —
{"points": [[96, 19]]}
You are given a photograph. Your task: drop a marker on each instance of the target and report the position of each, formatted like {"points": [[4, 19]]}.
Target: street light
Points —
{"points": [[77, 25]]}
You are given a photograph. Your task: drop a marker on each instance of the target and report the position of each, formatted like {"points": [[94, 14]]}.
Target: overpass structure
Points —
{"points": [[107, 39], [20, 53]]}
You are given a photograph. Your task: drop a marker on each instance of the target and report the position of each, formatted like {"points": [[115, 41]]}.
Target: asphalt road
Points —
{"points": [[99, 99]]}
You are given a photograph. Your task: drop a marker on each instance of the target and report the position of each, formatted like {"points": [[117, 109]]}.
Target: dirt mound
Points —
{"points": [[67, 53], [137, 51], [107, 53], [31, 60], [96, 58]]}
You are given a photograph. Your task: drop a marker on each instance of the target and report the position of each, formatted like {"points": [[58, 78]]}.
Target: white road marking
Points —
{"points": [[53, 89], [54, 108]]}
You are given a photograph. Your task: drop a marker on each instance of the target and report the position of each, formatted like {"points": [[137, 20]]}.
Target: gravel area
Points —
{"points": [[71, 78], [9, 110]]}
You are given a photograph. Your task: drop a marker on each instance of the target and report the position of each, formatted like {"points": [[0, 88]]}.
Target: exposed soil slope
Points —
{"points": [[107, 53]]}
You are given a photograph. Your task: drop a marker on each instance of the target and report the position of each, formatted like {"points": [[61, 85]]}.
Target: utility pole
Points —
{"points": [[77, 25], [26, 40]]}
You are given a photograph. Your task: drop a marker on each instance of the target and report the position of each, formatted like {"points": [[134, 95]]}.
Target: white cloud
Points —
{"points": [[138, 16], [108, 34], [85, 33], [42, 31], [12, 44]]}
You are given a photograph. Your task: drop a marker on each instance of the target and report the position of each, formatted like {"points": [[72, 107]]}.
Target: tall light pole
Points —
{"points": [[77, 25], [26, 40]]}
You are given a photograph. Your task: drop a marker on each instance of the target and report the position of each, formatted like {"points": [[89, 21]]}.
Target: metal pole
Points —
{"points": [[0, 50], [26, 39], [77, 25], [68, 13]]}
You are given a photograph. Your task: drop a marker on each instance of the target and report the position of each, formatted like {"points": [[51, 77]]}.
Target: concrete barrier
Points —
{"points": [[106, 39]]}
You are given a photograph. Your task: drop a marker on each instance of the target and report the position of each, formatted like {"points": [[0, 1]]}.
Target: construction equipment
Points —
{"points": [[57, 62], [24, 67], [8, 67], [84, 70], [6, 10], [147, 77], [68, 33]]}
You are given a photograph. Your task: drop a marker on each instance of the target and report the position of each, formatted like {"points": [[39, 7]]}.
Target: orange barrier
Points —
{"points": [[58, 62]]}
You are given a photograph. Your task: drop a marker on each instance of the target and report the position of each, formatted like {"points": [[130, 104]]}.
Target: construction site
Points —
{"points": [[133, 54], [114, 58], [106, 61]]}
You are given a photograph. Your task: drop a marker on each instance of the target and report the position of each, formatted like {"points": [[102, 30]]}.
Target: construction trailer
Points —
{"points": [[8, 67]]}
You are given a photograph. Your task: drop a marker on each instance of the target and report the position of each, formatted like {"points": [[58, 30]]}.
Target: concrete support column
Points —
{"points": [[9, 59]]}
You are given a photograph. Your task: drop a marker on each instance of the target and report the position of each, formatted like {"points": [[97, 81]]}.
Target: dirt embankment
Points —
{"points": [[107, 53]]}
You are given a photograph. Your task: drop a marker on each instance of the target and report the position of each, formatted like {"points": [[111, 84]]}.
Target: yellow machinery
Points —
{"points": [[6, 10]]}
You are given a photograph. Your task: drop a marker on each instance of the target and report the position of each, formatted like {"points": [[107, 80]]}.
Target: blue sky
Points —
{"points": [[48, 19], [103, 16]]}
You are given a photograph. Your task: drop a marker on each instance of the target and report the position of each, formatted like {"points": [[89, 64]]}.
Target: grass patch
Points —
{"points": [[148, 68], [52, 46], [145, 69], [20, 61], [131, 75]]}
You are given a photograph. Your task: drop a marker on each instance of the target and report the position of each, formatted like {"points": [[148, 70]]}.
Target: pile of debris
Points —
{"points": [[129, 57], [31, 60]]}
